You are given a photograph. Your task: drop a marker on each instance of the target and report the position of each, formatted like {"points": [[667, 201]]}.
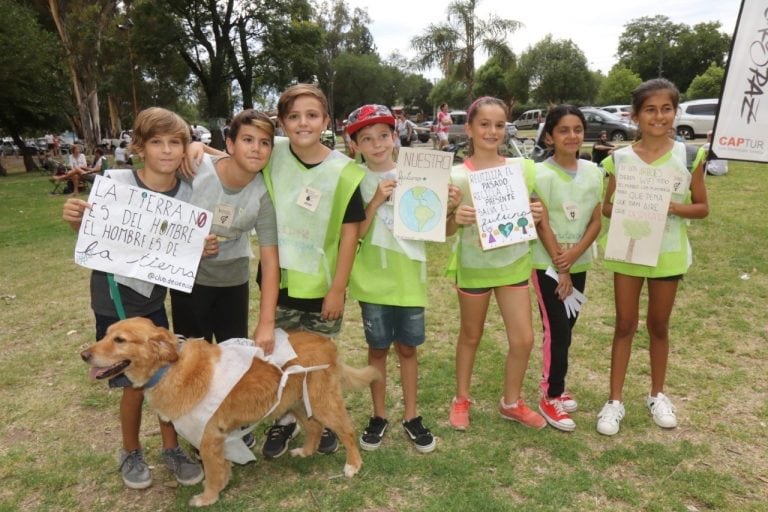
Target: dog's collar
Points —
{"points": [[159, 374]]}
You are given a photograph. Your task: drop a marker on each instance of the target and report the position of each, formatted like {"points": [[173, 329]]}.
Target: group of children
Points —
{"points": [[325, 225]]}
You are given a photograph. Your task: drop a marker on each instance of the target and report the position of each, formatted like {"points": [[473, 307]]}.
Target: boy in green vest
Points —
{"points": [[388, 278], [318, 205]]}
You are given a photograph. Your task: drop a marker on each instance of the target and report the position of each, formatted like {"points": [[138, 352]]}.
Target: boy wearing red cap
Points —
{"points": [[388, 277]]}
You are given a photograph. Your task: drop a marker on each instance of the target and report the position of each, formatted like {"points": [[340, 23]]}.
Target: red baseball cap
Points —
{"points": [[368, 115]]}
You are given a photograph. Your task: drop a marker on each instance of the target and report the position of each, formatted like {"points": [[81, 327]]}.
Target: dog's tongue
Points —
{"points": [[94, 372]]}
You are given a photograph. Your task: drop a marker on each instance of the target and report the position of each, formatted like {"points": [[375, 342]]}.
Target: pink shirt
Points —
{"points": [[440, 126]]}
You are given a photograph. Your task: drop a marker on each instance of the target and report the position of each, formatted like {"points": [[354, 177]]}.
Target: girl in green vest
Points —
{"points": [[654, 105], [503, 272], [571, 190]]}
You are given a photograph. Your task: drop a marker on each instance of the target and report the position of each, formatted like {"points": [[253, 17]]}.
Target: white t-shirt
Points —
{"points": [[78, 161]]}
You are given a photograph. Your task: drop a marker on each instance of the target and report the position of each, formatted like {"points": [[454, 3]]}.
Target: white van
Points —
{"points": [[695, 118], [530, 119]]}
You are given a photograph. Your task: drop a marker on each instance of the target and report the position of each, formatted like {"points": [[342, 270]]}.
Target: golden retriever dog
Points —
{"points": [[138, 348]]}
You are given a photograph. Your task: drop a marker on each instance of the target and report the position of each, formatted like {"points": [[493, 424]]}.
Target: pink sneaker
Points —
{"points": [[459, 416], [554, 412], [522, 414]]}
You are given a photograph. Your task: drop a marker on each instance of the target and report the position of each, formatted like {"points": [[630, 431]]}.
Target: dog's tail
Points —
{"points": [[353, 379]]}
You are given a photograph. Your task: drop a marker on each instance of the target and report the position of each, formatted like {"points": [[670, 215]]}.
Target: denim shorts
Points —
{"points": [[385, 324]]}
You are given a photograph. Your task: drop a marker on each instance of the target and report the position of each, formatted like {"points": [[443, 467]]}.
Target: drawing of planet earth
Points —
{"points": [[420, 209]]}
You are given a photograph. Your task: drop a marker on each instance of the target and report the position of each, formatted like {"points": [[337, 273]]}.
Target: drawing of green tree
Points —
{"points": [[636, 230], [522, 222]]}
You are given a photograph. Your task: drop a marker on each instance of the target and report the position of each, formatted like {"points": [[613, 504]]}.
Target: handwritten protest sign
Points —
{"points": [[502, 206], [421, 195], [138, 233], [639, 214]]}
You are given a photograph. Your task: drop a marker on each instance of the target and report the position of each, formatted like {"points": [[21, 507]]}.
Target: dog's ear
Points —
{"points": [[166, 344]]}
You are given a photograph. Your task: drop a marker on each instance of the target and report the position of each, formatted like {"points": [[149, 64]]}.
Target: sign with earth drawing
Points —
{"points": [[639, 214], [421, 195], [502, 206]]}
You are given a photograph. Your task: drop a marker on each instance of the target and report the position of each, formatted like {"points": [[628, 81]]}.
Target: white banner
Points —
{"points": [[134, 232], [741, 130], [421, 195]]}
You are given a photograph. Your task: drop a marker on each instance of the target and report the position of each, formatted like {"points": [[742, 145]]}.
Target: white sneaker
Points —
{"points": [[609, 418], [569, 403], [662, 410]]}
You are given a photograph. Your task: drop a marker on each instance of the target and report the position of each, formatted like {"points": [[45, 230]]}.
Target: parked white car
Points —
{"points": [[205, 134], [618, 110], [695, 118], [530, 119]]}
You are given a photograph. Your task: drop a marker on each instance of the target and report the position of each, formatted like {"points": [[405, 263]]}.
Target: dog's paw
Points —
{"points": [[200, 500], [350, 470], [298, 452]]}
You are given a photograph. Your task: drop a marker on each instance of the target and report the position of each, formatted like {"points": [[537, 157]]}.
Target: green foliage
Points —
{"points": [[360, 79], [452, 45], [412, 89], [654, 46], [33, 83], [496, 78], [452, 92], [556, 71], [160, 75], [707, 85], [617, 87]]}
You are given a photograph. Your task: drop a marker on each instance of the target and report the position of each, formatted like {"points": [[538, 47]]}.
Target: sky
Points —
{"points": [[593, 25]]}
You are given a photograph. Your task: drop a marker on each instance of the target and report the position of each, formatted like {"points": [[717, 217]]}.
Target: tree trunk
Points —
{"points": [[82, 69], [630, 250], [115, 127]]}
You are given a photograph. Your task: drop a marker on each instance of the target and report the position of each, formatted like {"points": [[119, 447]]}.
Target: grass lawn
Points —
{"points": [[59, 433]]}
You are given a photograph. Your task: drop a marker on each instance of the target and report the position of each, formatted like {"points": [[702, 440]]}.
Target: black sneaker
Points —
{"points": [[249, 440], [373, 433], [422, 438], [328, 442], [277, 439]]}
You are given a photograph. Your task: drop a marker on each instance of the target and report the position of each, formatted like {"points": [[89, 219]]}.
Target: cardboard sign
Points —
{"points": [[421, 195], [138, 233], [502, 206], [639, 214]]}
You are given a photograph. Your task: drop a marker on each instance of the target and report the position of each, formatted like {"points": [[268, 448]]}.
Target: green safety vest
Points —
{"points": [[470, 265], [308, 241], [570, 202], [675, 255]]}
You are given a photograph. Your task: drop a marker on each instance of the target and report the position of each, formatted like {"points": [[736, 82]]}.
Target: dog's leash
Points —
{"points": [[114, 292]]}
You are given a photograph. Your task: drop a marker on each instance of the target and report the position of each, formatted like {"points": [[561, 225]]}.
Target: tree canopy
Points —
{"points": [[33, 84], [452, 45], [707, 85], [617, 87], [556, 71], [654, 46]]}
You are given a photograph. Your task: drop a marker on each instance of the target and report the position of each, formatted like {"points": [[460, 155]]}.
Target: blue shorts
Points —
{"points": [[386, 324]]}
